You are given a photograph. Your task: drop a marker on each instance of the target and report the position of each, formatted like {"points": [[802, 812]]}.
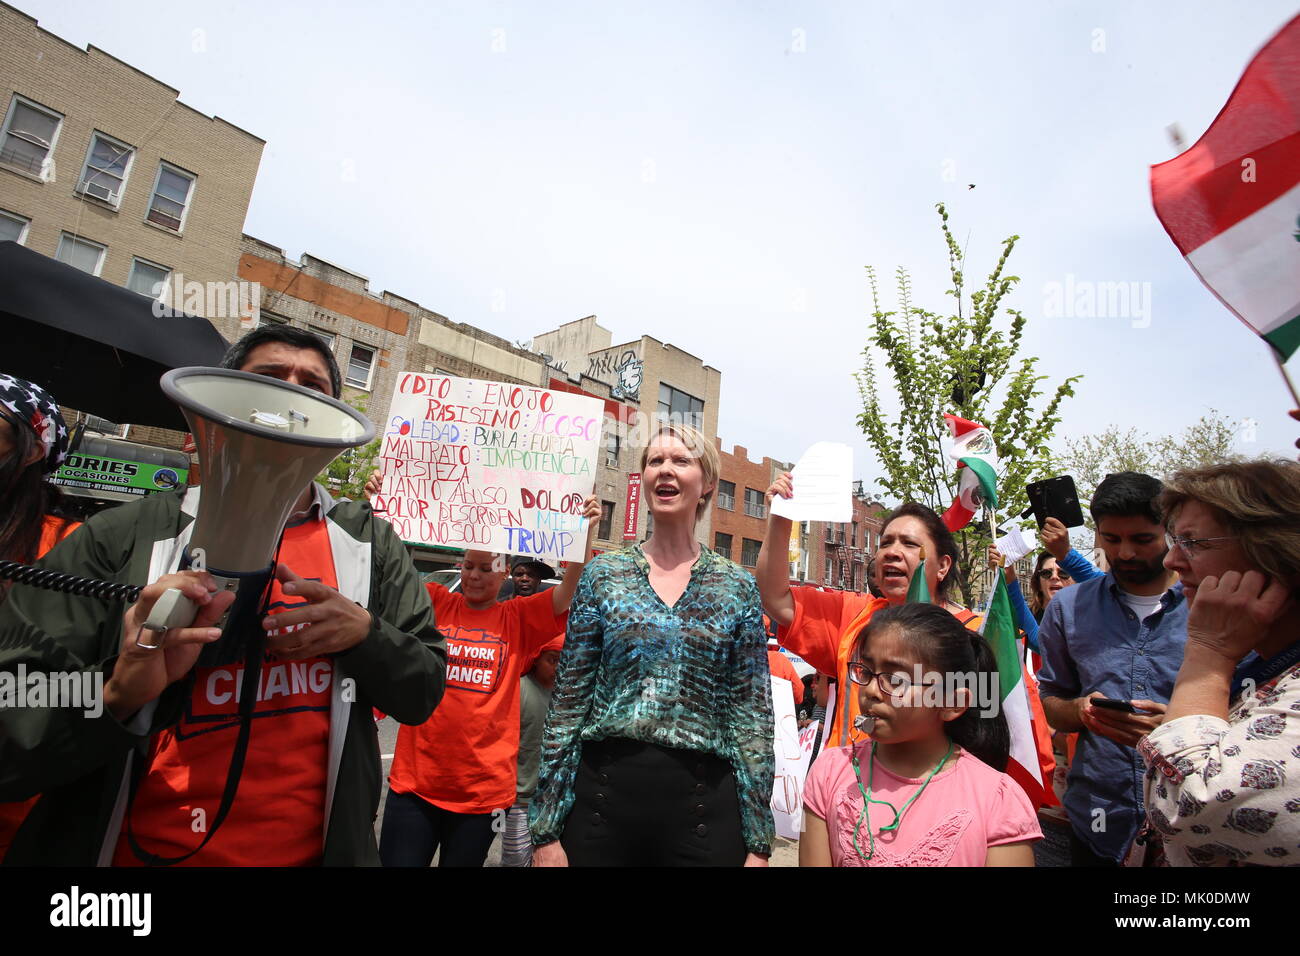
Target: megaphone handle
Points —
{"points": [[173, 609]]}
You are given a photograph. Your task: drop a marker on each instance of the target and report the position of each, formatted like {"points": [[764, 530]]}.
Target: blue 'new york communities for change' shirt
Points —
{"points": [[1093, 641]]}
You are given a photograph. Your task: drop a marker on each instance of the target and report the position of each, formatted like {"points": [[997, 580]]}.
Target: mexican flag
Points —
{"points": [[977, 466], [1231, 203], [1032, 763]]}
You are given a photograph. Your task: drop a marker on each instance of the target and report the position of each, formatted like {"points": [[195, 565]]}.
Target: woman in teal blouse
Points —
{"points": [[658, 742]]}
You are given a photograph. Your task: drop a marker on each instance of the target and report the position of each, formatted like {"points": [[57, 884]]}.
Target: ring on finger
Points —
{"points": [[149, 647]]}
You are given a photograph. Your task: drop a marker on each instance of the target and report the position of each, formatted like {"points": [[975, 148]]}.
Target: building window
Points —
{"points": [[13, 227], [148, 278], [172, 191], [749, 552], [108, 162], [754, 504], [270, 318], [722, 544], [612, 446], [680, 408], [82, 253], [606, 520], [324, 335], [827, 575], [27, 142], [727, 495], [853, 541], [360, 366]]}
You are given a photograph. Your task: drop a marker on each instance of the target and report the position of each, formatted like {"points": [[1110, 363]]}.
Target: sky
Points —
{"points": [[718, 175]]}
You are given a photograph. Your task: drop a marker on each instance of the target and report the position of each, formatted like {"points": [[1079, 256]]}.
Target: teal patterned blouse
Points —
{"points": [[691, 677]]}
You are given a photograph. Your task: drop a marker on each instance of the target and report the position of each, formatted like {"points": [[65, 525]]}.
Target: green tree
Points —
{"points": [[346, 475], [1209, 440], [956, 363]]}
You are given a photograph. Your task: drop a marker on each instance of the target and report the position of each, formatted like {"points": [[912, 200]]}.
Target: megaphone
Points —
{"points": [[260, 441]]}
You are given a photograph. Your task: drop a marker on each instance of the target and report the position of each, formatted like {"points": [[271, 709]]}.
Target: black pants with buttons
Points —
{"points": [[638, 804]]}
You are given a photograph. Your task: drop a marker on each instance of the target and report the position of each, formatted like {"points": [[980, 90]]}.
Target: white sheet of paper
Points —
{"points": [[823, 486], [1015, 544]]}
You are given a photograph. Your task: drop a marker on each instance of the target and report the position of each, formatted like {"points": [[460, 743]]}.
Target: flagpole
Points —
{"points": [[993, 536], [1286, 376]]}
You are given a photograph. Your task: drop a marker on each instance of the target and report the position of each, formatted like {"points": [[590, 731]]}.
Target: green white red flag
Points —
{"points": [[1231, 203], [977, 471], [1031, 764]]}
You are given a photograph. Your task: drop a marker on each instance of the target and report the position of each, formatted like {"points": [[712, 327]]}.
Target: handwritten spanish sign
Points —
{"points": [[488, 466]]}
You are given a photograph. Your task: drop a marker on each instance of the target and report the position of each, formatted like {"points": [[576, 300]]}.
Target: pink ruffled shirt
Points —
{"points": [[966, 808]]}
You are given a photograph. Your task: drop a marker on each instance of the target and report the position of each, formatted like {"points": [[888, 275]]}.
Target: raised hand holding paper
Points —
{"points": [[1015, 544], [823, 482]]}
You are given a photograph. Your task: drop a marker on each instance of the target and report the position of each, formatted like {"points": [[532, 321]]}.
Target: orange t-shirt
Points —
{"points": [[278, 815], [464, 757], [823, 632], [12, 815], [780, 666]]}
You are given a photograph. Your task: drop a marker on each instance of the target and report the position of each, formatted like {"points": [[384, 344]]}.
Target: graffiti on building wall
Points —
{"points": [[622, 369]]}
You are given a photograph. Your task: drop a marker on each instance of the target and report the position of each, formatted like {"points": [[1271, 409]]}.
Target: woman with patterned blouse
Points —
{"points": [[658, 744], [1223, 778]]}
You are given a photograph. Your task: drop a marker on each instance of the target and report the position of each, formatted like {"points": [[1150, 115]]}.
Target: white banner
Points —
{"points": [[489, 466], [793, 751]]}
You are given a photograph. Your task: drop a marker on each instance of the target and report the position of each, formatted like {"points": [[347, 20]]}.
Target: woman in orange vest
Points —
{"points": [[33, 442]]}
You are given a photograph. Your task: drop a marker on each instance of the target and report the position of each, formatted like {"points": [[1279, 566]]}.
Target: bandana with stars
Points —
{"points": [[27, 405]]}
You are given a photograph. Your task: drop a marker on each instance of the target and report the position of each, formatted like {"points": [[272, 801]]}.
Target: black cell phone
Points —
{"points": [[1108, 704], [1055, 498]]}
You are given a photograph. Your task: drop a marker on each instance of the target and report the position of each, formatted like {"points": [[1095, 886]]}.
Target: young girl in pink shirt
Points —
{"points": [[928, 787]]}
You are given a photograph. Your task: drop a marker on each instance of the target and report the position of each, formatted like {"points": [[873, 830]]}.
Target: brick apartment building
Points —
{"points": [[740, 505], [102, 167], [838, 554]]}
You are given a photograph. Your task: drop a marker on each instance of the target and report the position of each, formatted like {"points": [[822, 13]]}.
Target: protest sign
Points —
{"points": [[793, 752], [490, 466]]}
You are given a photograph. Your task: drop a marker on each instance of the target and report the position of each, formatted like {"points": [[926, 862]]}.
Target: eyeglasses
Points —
{"points": [[1193, 546], [1053, 573], [894, 686]]}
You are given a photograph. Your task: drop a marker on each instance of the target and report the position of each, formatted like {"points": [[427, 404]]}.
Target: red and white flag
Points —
{"points": [[977, 471], [1231, 203]]}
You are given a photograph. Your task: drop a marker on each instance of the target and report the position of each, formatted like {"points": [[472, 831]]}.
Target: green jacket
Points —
{"points": [[79, 764]]}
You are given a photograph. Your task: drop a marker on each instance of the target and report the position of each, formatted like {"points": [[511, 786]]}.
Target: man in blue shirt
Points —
{"points": [[1119, 636]]}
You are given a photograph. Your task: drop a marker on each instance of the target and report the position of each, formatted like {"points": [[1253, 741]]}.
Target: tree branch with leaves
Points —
{"points": [[958, 363]]}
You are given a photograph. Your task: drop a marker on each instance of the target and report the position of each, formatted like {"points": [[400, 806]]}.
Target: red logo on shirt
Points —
{"points": [[475, 660]]}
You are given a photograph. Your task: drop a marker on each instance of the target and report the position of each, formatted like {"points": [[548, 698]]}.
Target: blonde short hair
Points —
{"points": [[700, 447], [1258, 500]]}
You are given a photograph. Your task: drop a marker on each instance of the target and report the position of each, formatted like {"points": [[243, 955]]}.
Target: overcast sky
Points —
{"points": [[717, 175]]}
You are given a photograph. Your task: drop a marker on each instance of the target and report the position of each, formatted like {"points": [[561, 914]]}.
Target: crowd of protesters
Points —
{"points": [[627, 715]]}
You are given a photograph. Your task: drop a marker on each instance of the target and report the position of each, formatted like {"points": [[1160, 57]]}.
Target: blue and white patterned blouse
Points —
{"points": [[691, 677]]}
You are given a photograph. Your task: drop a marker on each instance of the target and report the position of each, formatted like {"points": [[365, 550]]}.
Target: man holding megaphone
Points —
{"points": [[224, 759]]}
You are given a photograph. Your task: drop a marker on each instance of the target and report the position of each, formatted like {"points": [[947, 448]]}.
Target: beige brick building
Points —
{"points": [[375, 336], [103, 167]]}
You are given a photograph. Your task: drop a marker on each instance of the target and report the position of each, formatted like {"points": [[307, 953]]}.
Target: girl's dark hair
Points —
{"points": [[945, 647], [25, 497], [939, 534]]}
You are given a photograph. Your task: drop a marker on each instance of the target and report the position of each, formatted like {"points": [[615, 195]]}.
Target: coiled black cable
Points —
{"points": [[58, 581]]}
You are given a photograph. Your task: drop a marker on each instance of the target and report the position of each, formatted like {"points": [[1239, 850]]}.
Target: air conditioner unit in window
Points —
{"points": [[99, 191]]}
